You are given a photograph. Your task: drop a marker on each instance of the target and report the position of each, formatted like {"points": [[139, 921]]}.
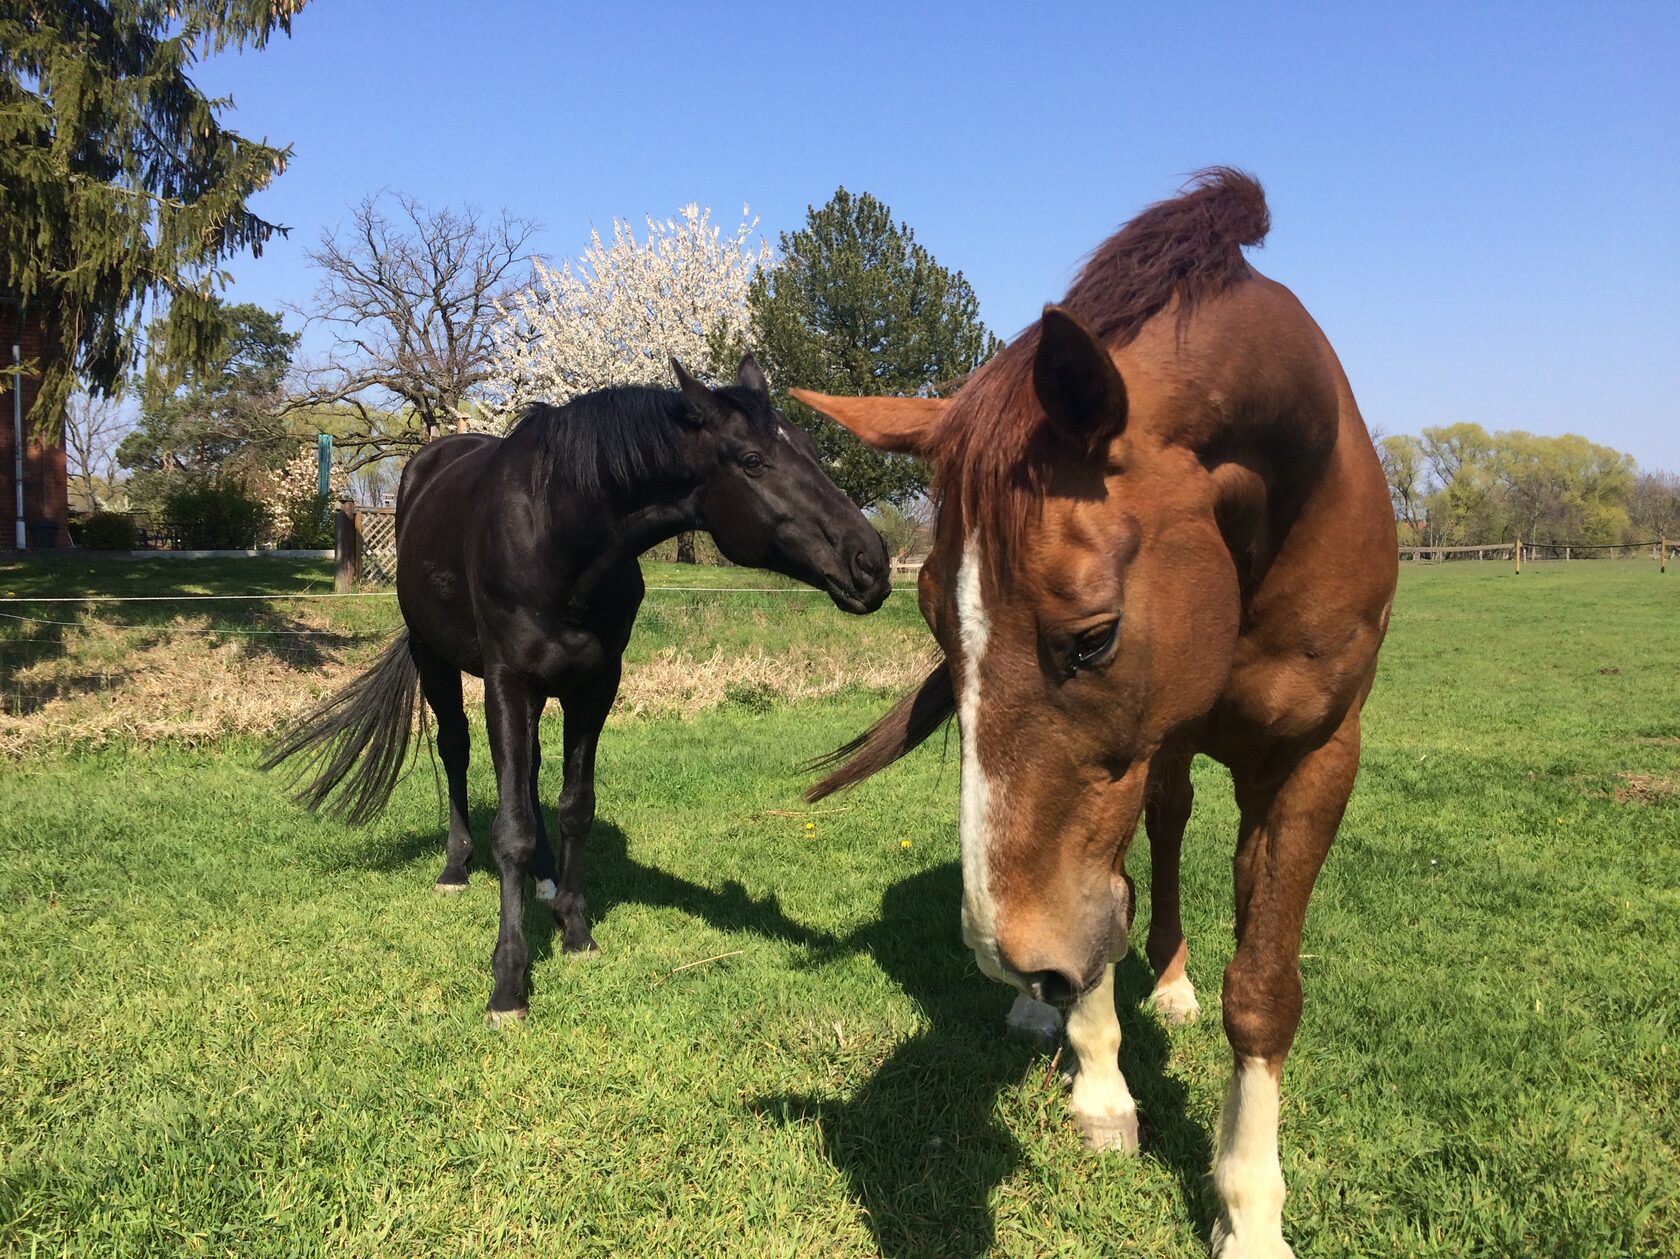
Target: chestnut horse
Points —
{"points": [[1163, 531]]}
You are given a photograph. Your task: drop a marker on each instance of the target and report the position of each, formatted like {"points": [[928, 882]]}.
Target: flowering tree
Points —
{"points": [[618, 314], [291, 499]]}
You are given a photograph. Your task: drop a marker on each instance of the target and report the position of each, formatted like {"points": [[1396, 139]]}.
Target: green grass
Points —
{"points": [[232, 1029]]}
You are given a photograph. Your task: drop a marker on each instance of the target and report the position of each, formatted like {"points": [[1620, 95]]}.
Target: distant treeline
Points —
{"points": [[1459, 484]]}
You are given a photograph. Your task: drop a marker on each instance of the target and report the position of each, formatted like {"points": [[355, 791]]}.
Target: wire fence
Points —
{"points": [[64, 646], [1518, 550]]}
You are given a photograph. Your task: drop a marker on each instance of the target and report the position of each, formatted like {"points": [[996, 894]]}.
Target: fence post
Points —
{"points": [[1662, 555], [347, 549], [1518, 550]]}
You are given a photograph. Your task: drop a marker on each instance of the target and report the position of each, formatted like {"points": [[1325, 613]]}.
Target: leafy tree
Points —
{"points": [[1403, 465], [122, 190], [1463, 507], [1562, 489], [856, 306], [224, 418]]}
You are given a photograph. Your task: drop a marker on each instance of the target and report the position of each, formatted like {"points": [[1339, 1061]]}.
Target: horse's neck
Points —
{"points": [[633, 532]]}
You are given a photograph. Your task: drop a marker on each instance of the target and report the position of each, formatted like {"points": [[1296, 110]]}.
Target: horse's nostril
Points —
{"points": [[867, 564], [1052, 987]]}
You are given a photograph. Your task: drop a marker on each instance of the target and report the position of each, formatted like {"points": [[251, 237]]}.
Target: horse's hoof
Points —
{"points": [[545, 891], [1176, 1002], [506, 1018], [444, 888], [1035, 1020], [1113, 1134], [1227, 1246], [585, 950]]}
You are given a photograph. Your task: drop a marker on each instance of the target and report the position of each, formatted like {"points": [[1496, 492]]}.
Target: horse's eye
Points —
{"points": [[752, 461], [1093, 646]]}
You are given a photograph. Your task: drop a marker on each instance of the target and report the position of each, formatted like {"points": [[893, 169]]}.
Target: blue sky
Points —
{"points": [[1479, 202]]}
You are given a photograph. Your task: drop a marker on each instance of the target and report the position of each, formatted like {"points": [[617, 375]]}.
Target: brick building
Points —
{"points": [[46, 499]]}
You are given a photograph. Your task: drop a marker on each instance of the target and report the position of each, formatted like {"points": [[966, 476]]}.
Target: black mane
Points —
{"points": [[603, 443]]}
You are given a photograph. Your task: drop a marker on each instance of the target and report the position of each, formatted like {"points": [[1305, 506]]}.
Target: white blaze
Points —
{"points": [[979, 923]]}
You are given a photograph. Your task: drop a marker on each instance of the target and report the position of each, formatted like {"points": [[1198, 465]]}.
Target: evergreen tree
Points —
{"points": [[122, 192], [856, 306]]}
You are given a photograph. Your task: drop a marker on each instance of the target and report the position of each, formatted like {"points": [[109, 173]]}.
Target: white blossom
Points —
{"points": [[293, 487], [620, 312]]}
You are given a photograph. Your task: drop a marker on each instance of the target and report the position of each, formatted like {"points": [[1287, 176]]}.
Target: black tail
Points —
{"points": [[357, 739]]}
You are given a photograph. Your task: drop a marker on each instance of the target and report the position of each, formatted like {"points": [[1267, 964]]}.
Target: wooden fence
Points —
{"points": [[364, 546], [366, 549], [1517, 551]]}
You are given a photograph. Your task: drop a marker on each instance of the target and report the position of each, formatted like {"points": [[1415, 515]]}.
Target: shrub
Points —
{"points": [[308, 525], [108, 531], [215, 515]]}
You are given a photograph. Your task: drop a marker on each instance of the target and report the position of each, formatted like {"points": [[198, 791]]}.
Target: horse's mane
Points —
{"points": [[603, 443], [1189, 249]]}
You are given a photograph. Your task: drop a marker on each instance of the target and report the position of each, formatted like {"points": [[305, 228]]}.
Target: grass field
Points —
{"points": [[231, 1029]]}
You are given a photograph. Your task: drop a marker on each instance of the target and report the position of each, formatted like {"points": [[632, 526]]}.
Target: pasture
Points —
{"points": [[228, 1028]]}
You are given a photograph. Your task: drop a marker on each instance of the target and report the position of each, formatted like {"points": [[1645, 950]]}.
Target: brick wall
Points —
{"points": [[45, 484]]}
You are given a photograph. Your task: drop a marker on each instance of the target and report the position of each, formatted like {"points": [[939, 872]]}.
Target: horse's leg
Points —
{"points": [[440, 683], [586, 712], [1287, 826], [511, 708], [1101, 1103], [543, 871], [1165, 816]]}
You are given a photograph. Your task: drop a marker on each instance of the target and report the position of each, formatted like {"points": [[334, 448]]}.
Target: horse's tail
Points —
{"points": [[357, 739], [910, 721]]}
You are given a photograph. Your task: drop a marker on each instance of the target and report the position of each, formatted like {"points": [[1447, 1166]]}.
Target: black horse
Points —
{"points": [[517, 562]]}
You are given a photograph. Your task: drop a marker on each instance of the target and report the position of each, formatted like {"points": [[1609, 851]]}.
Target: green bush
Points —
{"points": [[215, 515], [107, 531], [309, 525]]}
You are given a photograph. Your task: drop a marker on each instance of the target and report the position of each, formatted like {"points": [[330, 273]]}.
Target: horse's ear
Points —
{"points": [[701, 399], [904, 426], [1077, 383], [751, 376]]}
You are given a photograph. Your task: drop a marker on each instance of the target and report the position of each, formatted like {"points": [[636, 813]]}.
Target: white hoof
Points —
{"points": [[449, 889], [1035, 1019], [1176, 1002], [1112, 1133], [1227, 1245], [506, 1018], [546, 891]]}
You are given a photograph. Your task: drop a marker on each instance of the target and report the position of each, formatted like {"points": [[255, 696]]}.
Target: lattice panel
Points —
{"points": [[378, 529]]}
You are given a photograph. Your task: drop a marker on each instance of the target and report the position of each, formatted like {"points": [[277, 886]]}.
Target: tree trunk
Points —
{"points": [[685, 548]]}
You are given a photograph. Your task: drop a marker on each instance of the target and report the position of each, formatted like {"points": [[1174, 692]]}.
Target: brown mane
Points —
{"points": [[1189, 248]]}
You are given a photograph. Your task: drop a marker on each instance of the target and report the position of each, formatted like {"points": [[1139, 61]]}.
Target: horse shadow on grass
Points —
{"points": [[920, 1143], [612, 876]]}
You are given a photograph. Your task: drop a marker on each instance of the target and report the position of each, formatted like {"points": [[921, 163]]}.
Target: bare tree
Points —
{"points": [[1653, 505], [94, 425], [410, 297]]}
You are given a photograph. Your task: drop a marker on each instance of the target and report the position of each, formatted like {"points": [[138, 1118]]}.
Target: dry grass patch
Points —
{"points": [[189, 683], [1644, 788], [676, 684]]}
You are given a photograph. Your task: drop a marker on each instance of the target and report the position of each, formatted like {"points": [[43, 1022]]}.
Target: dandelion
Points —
{"points": [[904, 843]]}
